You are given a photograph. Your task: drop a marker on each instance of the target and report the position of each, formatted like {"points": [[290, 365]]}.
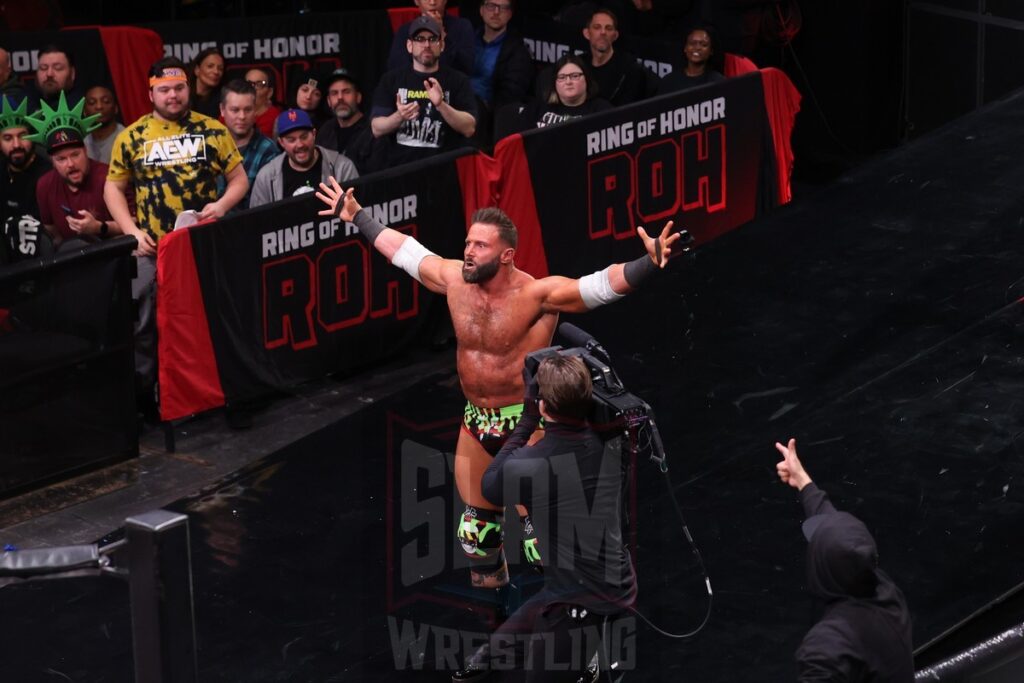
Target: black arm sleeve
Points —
{"points": [[639, 270], [493, 480], [368, 226], [815, 501]]}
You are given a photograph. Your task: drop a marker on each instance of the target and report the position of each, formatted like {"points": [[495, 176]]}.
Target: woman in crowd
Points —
{"points": [[307, 94], [704, 63], [573, 94], [207, 72]]}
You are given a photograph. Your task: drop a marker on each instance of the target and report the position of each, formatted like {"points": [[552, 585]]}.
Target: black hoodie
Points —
{"points": [[864, 633]]}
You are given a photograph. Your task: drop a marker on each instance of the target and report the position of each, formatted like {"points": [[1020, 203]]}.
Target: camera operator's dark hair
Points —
{"points": [[564, 385], [237, 86], [492, 215]]}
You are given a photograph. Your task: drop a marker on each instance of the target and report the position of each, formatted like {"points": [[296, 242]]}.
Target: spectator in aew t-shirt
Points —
{"points": [[303, 166], [171, 157], [348, 130], [458, 51], [703, 63], [424, 109], [572, 96]]}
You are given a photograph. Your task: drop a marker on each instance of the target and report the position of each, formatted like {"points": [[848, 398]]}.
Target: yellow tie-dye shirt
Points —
{"points": [[172, 165]]}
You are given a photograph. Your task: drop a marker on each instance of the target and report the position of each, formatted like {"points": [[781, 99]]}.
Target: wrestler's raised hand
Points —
{"points": [[341, 202], [660, 247]]}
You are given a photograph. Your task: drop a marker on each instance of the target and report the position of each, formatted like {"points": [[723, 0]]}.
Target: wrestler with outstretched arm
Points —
{"points": [[500, 314]]}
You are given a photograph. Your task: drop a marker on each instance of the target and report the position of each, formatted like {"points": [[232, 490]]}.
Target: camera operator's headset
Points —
{"points": [[644, 436]]}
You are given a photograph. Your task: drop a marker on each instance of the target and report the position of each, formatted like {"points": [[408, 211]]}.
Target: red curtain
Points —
{"points": [[130, 52], [189, 379], [402, 15], [782, 102], [515, 197]]}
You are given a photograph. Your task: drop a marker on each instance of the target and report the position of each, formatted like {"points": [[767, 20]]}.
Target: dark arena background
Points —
{"points": [[855, 189]]}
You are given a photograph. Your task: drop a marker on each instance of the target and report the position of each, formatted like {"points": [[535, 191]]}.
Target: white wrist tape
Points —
{"points": [[409, 255], [596, 289]]}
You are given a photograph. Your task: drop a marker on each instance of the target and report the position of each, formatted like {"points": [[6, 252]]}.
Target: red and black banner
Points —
{"points": [[702, 158], [279, 295]]}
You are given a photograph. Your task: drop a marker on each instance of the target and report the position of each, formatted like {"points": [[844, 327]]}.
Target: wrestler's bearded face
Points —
{"points": [[475, 272]]}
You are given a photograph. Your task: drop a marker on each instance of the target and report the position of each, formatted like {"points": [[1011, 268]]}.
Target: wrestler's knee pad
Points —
{"points": [[481, 536]]}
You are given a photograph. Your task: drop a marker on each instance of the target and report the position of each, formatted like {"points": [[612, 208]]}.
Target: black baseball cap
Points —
{"points": [[341, 74], [424, 23]]}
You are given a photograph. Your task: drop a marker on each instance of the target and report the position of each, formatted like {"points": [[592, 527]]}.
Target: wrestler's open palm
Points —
{"points": [[660, 247], [337, 198]]}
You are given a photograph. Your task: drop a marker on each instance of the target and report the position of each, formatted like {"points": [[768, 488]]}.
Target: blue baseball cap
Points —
{"points": [[292, 119]]}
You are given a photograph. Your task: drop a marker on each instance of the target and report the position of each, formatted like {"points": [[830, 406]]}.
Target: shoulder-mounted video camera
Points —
{"points": [[614, 410]]}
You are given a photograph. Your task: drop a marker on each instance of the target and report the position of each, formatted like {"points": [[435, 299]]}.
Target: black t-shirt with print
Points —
{"points": [[544, 114], [428, 134], [300, 182]]}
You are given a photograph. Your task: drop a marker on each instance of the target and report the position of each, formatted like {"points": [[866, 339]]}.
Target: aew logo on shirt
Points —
{"points": [[175, 150]]}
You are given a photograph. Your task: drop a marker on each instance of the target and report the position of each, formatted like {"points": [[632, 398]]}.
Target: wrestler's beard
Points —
{"points": [[482, 272]]}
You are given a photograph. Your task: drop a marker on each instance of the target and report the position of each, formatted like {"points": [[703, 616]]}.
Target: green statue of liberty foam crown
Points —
{"points": [[13, 116], [61, 127]]}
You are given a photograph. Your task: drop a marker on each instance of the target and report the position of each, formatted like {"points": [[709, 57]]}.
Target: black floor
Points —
{"points": [[880, 323]]}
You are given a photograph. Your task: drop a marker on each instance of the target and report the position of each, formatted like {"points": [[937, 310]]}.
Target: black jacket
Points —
{"points": [[573, 489], [864, 633], [513, 72], [623, 80]]}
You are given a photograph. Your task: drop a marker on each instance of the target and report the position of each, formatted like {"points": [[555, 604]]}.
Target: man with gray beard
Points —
{"points": [[349, 131]]}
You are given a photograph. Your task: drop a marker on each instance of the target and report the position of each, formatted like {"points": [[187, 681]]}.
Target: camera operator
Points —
{"points": [[574, 494]]}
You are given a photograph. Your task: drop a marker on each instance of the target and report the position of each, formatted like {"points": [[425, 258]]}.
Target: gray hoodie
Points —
{"points": [[269, 185]]}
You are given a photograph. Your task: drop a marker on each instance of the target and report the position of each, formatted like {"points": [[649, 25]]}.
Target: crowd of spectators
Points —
{"points": [[448, 85]]}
